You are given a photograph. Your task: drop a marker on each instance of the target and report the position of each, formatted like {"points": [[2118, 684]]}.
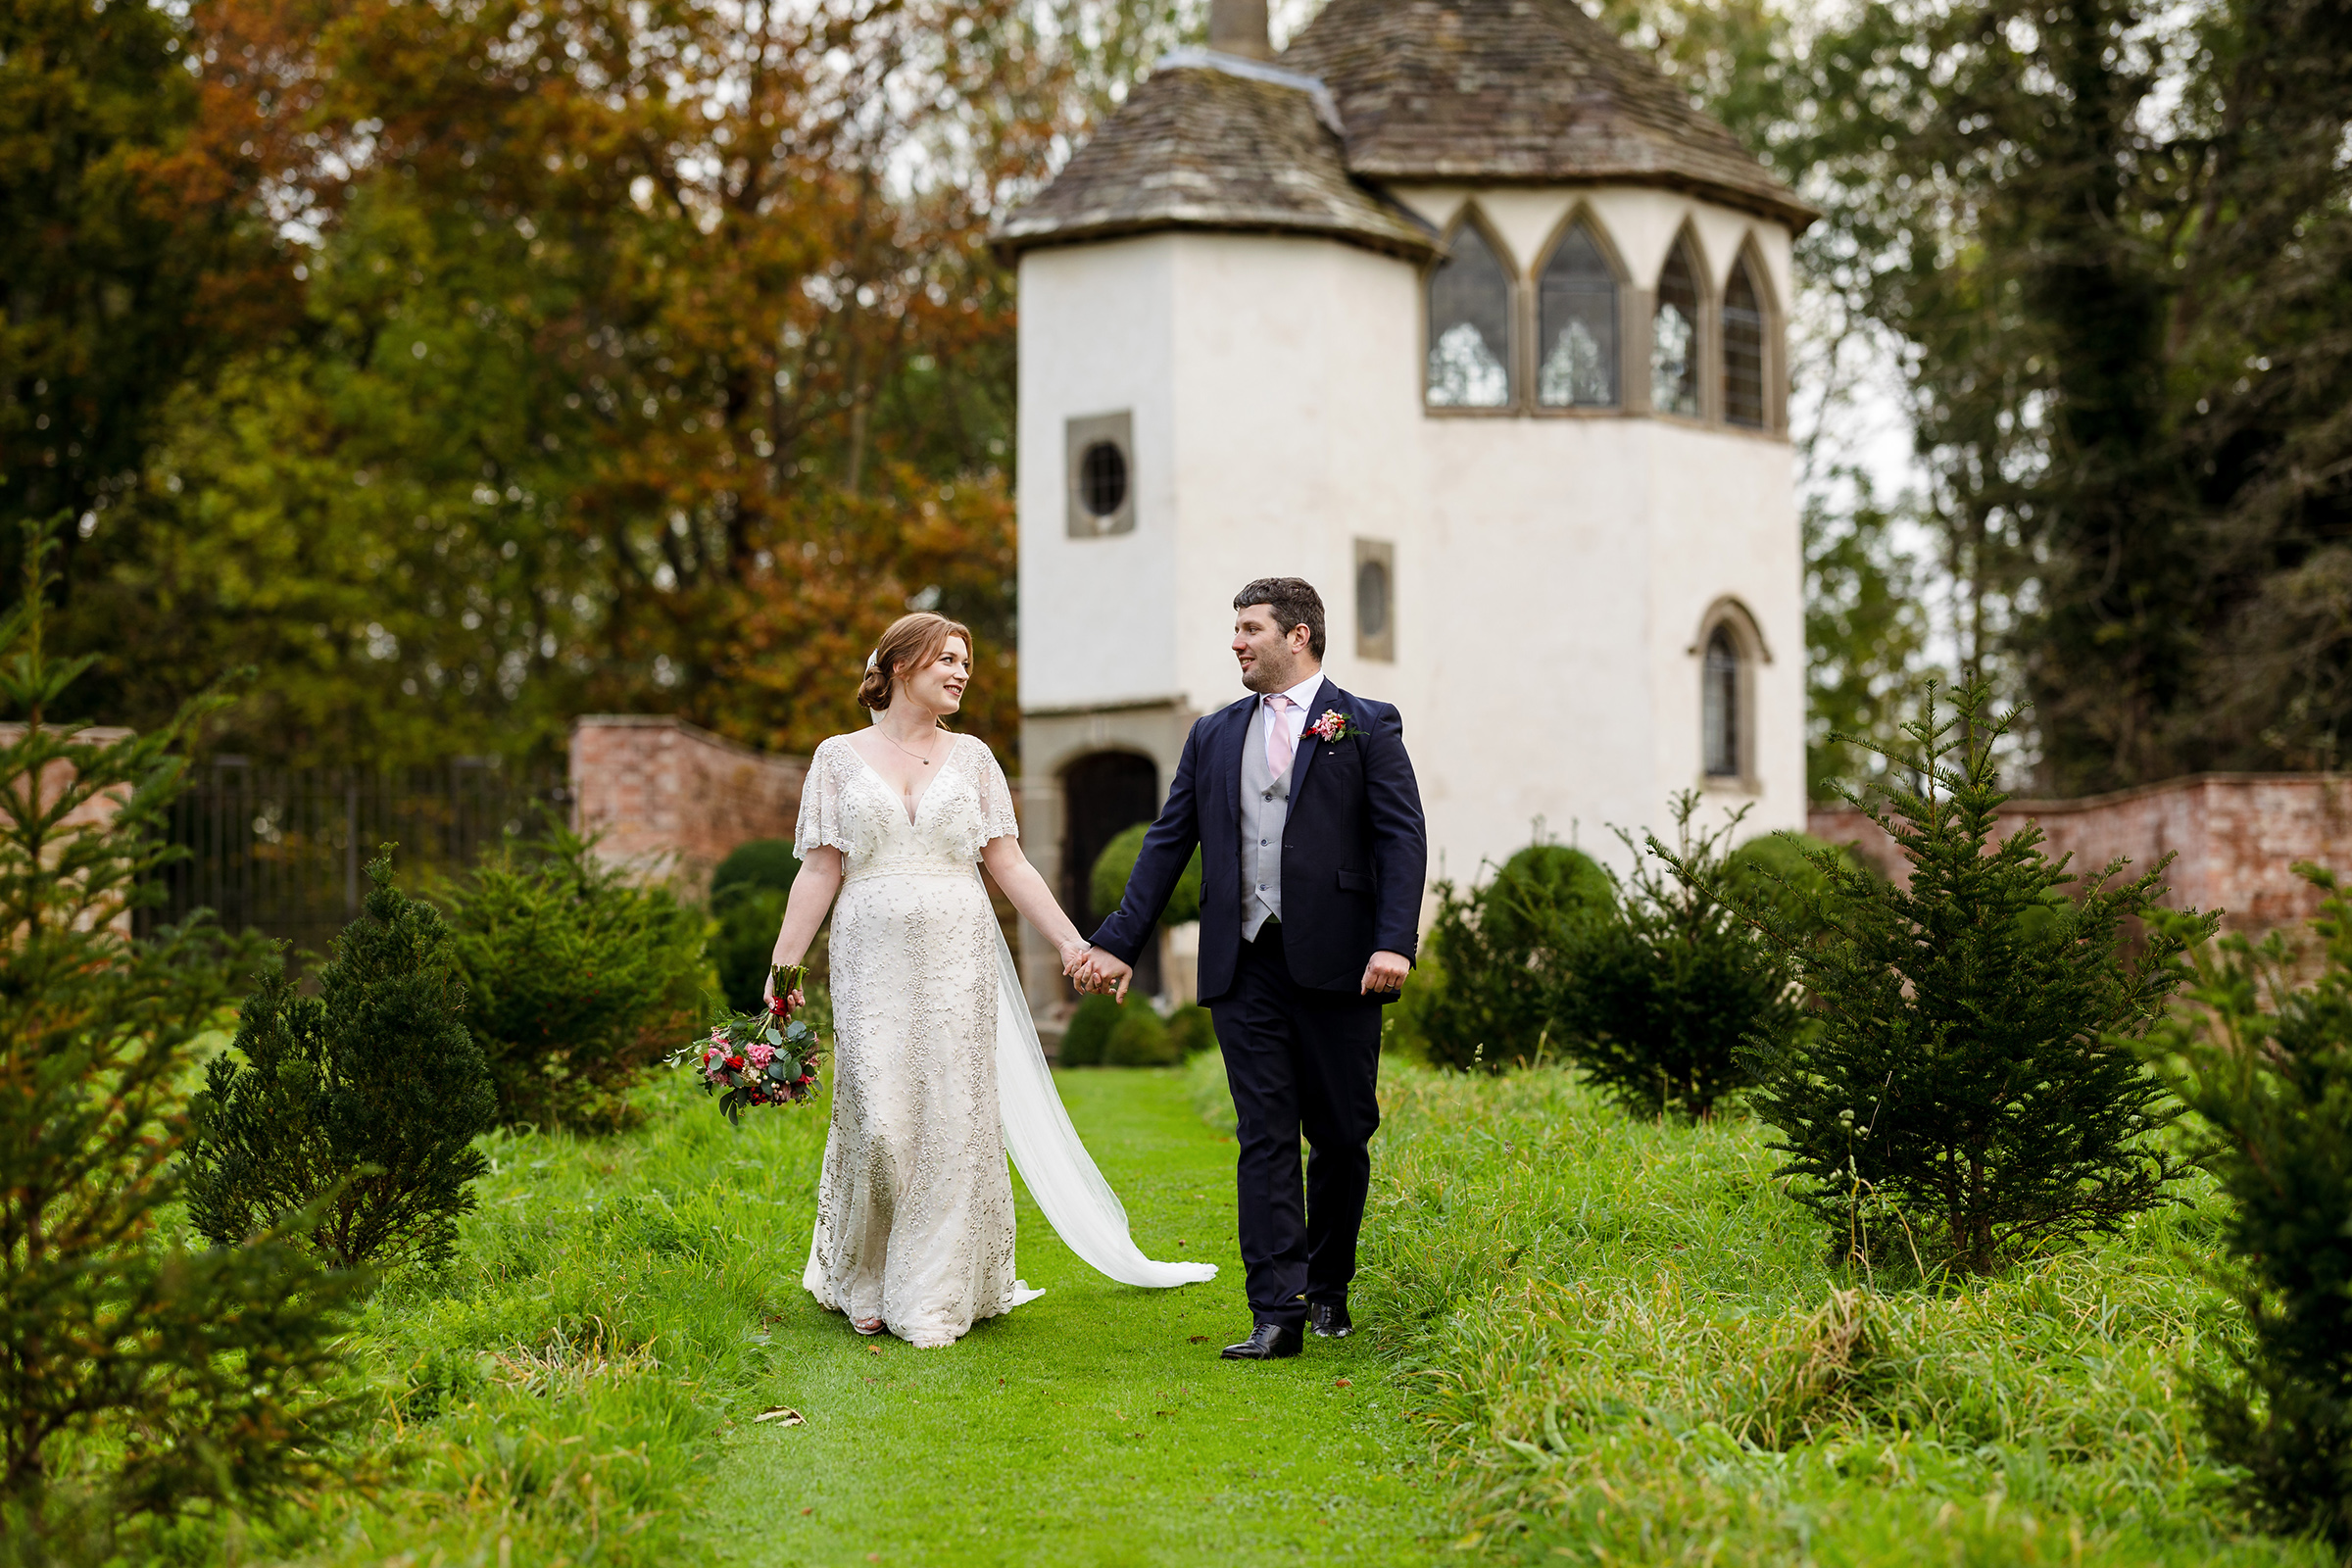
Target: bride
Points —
{"points": [[937, 1071]]}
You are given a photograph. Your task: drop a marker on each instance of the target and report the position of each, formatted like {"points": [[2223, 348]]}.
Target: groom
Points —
{"points": [[1313, 856]]}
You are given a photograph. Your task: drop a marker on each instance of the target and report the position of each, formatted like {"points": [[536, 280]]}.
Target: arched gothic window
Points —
{"points": [[1577, 322], [1674, 347], [1742, 348], [1470, 327], [1722, 723]]}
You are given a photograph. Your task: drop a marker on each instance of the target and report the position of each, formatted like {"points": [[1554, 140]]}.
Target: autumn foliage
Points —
{"points": [[541, 358]]}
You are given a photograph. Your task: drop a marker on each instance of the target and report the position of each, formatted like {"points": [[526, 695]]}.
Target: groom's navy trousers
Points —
{"points": [[1298, 1062], [1302, 1041]]}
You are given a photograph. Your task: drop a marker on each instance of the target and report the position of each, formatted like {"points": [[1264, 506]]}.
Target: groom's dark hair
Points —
{"points": [[1293, 600]]}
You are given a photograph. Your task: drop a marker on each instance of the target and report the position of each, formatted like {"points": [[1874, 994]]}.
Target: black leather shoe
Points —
{"points": [[1330, 1322], [1268, 1342]]}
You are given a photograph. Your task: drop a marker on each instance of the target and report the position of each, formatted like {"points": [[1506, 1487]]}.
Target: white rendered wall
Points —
{"points": [[1551, 573], [1097, 336]]}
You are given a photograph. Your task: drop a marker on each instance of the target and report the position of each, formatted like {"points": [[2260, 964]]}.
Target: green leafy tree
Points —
{"points": [[2266, 1065], [136, 257], [577, 980], [1662, 1006], [1970, 1091], [138, 1378], [1865, 638], [2112, 248], [352, 1112]]}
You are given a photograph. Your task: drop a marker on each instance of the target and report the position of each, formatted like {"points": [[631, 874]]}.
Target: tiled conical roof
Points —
{"points": [[1518, 90], [1206, 141], [1378, 92]]}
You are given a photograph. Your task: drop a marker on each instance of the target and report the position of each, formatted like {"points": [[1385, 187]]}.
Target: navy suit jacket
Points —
{"points": [[1354, 852]]}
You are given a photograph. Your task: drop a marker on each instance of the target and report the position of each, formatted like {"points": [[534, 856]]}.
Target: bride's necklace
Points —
{"points": [[909, 750]]}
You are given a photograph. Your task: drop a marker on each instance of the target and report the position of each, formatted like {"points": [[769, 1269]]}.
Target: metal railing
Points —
{"points": [[283, 850]]}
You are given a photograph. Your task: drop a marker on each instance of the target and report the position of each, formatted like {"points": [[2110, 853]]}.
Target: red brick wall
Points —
{"points": [[2235, 838], [673, 799], [95, 812]]}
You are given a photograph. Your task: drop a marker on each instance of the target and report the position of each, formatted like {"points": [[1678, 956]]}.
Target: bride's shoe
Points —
{"points": [[871, 1326]]}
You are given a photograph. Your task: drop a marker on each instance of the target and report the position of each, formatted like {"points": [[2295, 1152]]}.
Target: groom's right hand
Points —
{"points": [[1104, 971]]}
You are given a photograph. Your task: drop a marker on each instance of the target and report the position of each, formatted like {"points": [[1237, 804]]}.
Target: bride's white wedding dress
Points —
{"points": [[937, 1070]]}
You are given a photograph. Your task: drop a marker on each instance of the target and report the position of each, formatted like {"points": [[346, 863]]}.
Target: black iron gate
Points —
{"points": [[282, 850]]}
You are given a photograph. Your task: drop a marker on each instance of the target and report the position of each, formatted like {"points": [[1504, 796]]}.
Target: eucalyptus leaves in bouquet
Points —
{"points": [[767, 1058]]}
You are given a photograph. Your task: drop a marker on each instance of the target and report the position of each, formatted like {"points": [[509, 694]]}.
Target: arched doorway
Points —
{"points": [[1102, 793]]}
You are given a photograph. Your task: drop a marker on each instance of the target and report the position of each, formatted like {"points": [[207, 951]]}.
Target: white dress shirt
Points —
{"points": [[1302, 699]]}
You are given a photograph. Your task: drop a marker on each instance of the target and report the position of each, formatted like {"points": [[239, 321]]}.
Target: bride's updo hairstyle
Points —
{"points": [[911, 642]]}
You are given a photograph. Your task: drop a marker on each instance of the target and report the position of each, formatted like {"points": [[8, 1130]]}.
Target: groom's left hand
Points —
{"points": [[1385, 972]]}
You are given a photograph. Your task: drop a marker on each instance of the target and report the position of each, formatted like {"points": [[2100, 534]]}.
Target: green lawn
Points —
{"points": [[1588, 1339], [581, 1387]]}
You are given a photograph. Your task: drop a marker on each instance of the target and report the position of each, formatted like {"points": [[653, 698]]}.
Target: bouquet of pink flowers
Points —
{"points": [[757, 1058]]}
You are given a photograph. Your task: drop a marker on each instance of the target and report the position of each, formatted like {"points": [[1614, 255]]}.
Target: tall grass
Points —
{"points": [[555, 1393], [1627, 1345]]}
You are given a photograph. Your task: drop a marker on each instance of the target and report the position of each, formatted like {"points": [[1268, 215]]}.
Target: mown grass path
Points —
{"points": [[1092, 1426]]}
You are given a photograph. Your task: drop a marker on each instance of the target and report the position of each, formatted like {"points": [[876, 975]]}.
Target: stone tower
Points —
{"points": [[1458, 309]]}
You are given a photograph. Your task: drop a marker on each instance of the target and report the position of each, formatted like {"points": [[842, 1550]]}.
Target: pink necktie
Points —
{"points": [[1278, 735]]}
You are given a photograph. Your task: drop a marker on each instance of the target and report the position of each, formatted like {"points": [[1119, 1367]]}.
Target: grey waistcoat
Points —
{"points": [[1265, 808]]}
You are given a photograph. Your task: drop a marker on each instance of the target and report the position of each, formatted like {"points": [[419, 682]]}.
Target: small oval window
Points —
{"points": [[1102, 478], [1372, 599]]}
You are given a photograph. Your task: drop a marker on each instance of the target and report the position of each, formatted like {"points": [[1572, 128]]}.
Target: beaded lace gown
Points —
{"points": [[938, 1074], [915, 1217]]}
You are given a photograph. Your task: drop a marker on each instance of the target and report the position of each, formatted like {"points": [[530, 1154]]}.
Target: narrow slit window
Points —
{"points": [[1674, 348], [1743, 349], [1720, 714], [1470, 327], [1578, 323]]}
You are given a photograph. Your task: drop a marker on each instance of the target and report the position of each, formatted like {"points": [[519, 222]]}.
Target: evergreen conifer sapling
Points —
{"points": [[357, 1107], [1659, 1005], [2268, 1068], [1971, 1090], [138, 1378]]}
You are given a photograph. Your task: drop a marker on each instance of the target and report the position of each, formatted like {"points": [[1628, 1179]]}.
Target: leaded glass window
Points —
{"points": [[1673, 345], [1719, 705], [1470, 327], [1743, 349], [1577, 321]]}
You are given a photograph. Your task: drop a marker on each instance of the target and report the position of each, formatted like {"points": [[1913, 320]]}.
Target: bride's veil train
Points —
{"points": [[1052, 1161]]}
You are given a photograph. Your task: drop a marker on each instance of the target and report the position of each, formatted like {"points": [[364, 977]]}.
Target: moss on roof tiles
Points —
{"points": [[1522, 91], [1201, 147], [1383, 92]]}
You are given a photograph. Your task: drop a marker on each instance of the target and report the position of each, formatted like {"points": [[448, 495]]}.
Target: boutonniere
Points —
{"points": [[1334, 725]]}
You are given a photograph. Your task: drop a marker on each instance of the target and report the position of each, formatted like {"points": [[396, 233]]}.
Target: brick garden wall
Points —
{"points": [[2236, 836], [675, 799]]}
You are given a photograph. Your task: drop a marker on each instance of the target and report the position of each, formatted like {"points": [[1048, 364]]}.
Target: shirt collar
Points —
{"points": [[1304, 694]]}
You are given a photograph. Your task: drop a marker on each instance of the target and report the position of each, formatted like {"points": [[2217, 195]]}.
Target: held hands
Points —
{"points": [[1385, 972], [1094, 971]]}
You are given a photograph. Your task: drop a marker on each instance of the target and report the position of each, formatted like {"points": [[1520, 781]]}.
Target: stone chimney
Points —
{"points": [[1239, 27]]}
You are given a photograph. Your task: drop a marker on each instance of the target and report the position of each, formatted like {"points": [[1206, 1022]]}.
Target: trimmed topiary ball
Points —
{"points": [[1535, 888], [1089, 1031], [1191, 1028], [1108, 882], [1140, 1038]]}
